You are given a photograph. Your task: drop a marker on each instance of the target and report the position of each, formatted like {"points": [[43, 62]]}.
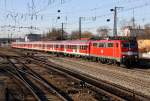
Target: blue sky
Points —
{"points": [[19, 13]]}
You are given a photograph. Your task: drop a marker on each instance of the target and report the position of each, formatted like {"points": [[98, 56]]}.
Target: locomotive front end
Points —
{"points": [[129, 54]]}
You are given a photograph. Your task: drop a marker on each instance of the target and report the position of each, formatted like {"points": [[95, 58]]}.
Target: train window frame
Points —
{"points": [[110, 45], [101, 45], [74, 47], [61, 46], [80, 47], [95, 44], [85, 48]]}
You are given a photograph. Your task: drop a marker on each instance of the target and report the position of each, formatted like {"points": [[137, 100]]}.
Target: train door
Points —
{"points": [[116, 50]]}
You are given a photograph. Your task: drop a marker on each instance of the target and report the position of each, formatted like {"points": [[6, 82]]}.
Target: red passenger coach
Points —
{"points": [[110, 50]]}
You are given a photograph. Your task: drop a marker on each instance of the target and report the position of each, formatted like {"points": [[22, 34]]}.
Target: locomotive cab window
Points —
{"points": [[125, 45], [101, 44], [110, 44]]}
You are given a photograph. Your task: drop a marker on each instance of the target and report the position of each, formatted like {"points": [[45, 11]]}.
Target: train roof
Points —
{"points": [[71, 42], [83, 42], [114, 38]]}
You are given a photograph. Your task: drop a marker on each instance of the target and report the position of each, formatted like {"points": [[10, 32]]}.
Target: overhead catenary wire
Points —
{"points": [[88, 18]]}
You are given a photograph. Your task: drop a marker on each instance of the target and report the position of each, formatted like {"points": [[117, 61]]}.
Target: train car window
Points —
{"points": [[74, 47], [86, 47], [95, 44], [62, 46], [83, 47], [110, 44], [101, 45], [80, 47]]}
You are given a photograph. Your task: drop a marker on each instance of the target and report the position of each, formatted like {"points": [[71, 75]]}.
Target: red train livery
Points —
{"points": [[109, 50]]}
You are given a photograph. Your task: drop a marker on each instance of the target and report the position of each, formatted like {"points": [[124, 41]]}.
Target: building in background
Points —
{"points": [[143, 37], [133, 32], [32, 37]]}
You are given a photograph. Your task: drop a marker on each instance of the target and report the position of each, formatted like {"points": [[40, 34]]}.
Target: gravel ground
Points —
{"points": [[130, 78], [135, 79], [7, 51]]}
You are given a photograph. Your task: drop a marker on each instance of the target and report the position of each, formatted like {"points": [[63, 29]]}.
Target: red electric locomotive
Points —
{"points": [[120, 50]]}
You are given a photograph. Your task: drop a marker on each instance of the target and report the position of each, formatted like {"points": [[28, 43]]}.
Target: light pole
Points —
{"points": [[80, 26], [62, 31], [62, 26], [80, 18], [115, 20]]}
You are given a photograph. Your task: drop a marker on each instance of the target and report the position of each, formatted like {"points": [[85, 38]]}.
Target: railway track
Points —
{"points": [[118, 90], [12, 88], [123, 93], [101, 94], [38, 93], [138, 69], [20, 72], [30, 80]]}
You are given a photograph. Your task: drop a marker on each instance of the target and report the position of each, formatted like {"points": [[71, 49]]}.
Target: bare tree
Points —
{"points": [[87, 34], [54, 34], [75, 35]]}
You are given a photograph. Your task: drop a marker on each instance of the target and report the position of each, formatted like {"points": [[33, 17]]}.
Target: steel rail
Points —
{"points": [[119, 91], [77, 76], [61, 94], [24, 82], [125, 92], [98, 90], [38, 93]]}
